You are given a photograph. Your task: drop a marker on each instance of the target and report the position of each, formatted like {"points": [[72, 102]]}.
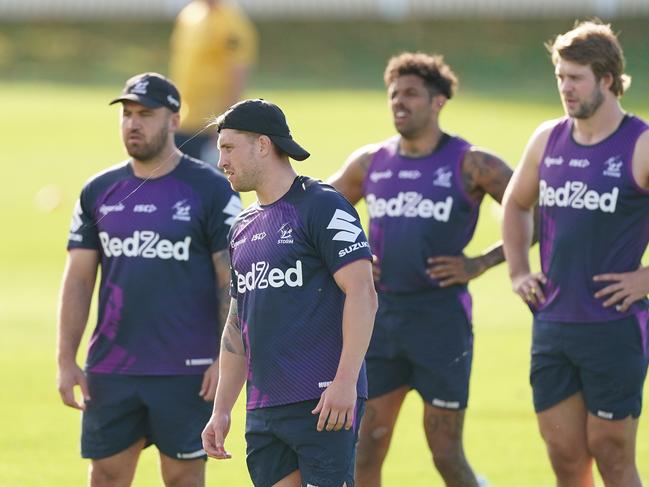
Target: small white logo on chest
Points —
{"points": [[414, 174], [376, 176], [443, 176], [181, 211], [613, 167]]}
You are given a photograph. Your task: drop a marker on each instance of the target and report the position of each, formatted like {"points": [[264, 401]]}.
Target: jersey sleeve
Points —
{"points": [[225, 208], [83, 228], [336, 230]]}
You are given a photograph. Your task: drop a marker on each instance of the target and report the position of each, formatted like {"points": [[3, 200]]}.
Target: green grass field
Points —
{"points": [[57, 136]]}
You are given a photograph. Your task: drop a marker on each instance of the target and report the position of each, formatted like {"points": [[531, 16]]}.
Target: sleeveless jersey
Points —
{"points": [[594, 219], [290, 308], [157, 294], [418, 208]]}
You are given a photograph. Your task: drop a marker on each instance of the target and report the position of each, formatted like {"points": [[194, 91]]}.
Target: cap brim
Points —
{"points": [[142, 100], [292, 148]]}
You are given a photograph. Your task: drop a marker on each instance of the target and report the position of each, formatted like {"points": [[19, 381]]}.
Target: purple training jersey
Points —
{"points": [[594, 219], [284, 256], [158, 311], [418, 208]]}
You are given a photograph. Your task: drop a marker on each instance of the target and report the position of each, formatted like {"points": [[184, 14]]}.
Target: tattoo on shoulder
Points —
{"points": [[364, 159], [483, 172]]}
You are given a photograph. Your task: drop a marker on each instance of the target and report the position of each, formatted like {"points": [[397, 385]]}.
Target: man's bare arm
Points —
{"points": [[74, 305], [348, 180], [518, 220], [232, 376], [221, 262], [337, 403], [482, 173]]}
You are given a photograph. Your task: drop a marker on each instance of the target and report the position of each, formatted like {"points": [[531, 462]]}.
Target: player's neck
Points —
{"points": [[275, 183], [159, 166], [421, 145], [600, 125]]}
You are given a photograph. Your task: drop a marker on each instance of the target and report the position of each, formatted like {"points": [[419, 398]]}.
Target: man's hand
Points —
{"points": [[449, 269], [336, 406], [214, 435], [530, 287], [70, 376], [626, 288], [210, 381]]}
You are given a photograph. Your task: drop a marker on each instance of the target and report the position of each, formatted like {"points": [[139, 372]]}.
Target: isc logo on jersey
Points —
{"points": [[575, 194], [411, 205], [146, 244], [261, 275]]}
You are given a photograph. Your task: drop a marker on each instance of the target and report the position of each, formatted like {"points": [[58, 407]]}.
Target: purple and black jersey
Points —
{"points": [[418, 208], [158, 312], [594, 219], [290, 308]]}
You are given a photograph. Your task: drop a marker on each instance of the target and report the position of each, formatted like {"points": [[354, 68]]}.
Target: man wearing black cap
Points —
{"points": [[157, 225], [301, 312]]}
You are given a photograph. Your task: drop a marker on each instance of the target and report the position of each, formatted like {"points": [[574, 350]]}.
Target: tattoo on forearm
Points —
{"points": [[493, 256], [232, 340], [233, 315]]}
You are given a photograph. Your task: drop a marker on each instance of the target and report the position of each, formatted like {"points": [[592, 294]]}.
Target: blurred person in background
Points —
{"points": [[157, 227], [423, 189], [213, 49], [589, 173]]}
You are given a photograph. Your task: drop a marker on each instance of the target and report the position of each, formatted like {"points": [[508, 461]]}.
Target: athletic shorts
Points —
{"points": [[165, 410], [605, 361], [424, 341], [282, 439]]}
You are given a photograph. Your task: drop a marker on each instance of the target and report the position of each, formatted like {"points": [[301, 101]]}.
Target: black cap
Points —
{"points": [[151, 90], [262, 117]]}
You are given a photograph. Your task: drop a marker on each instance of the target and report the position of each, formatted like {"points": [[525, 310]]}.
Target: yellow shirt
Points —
{"points": [[207, 47]]}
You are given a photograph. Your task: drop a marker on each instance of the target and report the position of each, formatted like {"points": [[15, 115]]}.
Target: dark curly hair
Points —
{"points": [[437, 75]]}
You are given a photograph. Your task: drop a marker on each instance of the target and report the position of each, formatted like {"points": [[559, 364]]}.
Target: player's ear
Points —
{"points": [[265, 145], [607, 81], [174, 122], [438, 101]]}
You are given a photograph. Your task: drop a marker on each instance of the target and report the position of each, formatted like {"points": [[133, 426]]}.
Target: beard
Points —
{"points": [[144, 151], [588, 108]]}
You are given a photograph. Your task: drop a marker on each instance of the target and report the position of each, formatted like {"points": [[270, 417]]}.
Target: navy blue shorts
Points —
{"points": [[424, 341], [605, 361], [282, 439], [166, 410]]}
